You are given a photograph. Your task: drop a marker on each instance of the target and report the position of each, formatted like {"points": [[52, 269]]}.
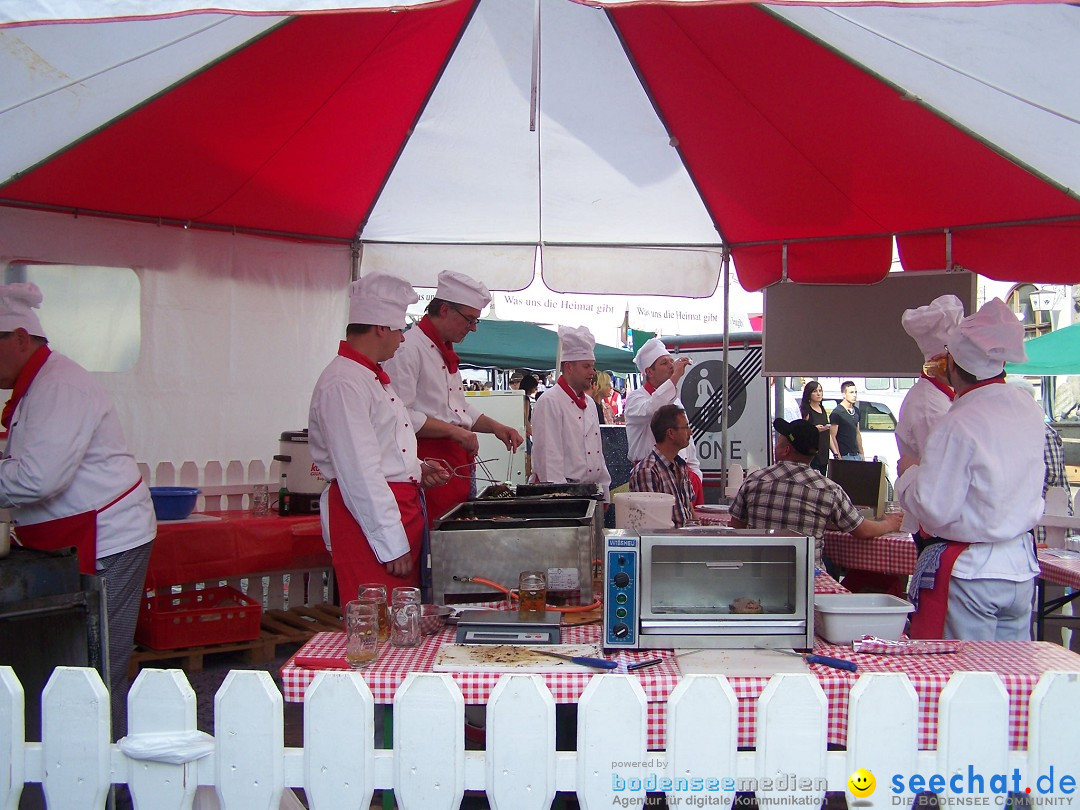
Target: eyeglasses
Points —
{"points": [[472, 322]]}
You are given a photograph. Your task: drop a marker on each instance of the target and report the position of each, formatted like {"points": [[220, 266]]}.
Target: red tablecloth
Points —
{"points": [[232, 544], [1019, 664], [888, 554], [1059, 570]]}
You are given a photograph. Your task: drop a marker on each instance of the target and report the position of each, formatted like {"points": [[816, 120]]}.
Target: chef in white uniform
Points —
{"points": [[931, 396], [67, 476], [978, 487], [362, 439], [567, 447], [425, 373], [662, 374]]}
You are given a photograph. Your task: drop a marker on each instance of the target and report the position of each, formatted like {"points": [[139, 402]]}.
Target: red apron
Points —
{"points": [[75, 530], [354, 561], [928, 620], [443, 498]]}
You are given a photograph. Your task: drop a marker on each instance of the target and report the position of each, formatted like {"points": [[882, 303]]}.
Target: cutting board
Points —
{"points": [[749, 663], [509, 658]]}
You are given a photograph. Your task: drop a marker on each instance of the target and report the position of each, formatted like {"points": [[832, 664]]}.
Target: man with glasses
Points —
{"points": [[425, 374], [664, 470]]}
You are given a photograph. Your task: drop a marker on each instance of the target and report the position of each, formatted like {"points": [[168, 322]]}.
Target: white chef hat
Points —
{"points": [[651, 351], [458, 288], [983, 343], [380, 300], [930, 325], [577, 343], [17, 305]]}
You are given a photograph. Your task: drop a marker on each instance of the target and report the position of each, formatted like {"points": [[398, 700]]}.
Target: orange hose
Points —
{"points": [[512, 594]]}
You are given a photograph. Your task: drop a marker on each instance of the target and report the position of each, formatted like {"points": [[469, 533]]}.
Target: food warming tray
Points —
{"points": [[517, 513]]}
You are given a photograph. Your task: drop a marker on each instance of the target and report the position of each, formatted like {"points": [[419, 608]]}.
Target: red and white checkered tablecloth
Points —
{"points": [[1018, 664], [1059, 570], [895, 554], [888, 554], [394, 663]]}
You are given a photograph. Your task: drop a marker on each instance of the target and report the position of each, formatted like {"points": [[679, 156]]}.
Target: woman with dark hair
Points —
{"points": [[814, 413]]}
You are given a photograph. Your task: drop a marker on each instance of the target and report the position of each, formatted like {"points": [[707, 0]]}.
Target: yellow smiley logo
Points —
{"points": [[862, 783]]}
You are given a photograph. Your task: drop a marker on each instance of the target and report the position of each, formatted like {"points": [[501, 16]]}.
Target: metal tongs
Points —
{"points": [[455, 471]]}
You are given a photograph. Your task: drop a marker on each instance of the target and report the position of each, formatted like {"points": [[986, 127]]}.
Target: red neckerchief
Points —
{"points": [[982, 383], [445, 347], [650, 388], [347, 351], [940, 386], [579, 399], [22, 382]]}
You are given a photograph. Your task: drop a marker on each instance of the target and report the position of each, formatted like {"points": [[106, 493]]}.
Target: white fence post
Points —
{"points": [[1052, 712], [75, 739], [883, 732], [792, 724], [521, 744], [339, 731], [429, 743], [12, 739], [973, 727], [702, 734], [161, 701], [250, 734], [612, 728]]}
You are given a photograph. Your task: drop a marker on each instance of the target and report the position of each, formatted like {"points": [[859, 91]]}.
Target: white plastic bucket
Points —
{"points": [[643, 510]]}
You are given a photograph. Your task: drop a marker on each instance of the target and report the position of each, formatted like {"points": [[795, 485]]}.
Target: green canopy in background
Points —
{"points": [[515, 344], [1055, 353]]}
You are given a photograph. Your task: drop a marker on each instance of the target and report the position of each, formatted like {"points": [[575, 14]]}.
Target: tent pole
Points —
{"points": [[724, 267]]}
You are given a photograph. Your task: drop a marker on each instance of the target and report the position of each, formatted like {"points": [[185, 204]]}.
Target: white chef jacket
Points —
{"points": [[66, 455], [920, 412], [360, 434], [566, 442], [980, 482], [638, 412], [420, 376]]}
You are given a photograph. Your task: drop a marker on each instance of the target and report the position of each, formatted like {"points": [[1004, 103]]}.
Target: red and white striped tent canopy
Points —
{"points": [[625, 141]]}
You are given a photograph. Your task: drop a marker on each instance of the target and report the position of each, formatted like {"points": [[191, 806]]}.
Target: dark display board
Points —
{"points": [[852, 329]]}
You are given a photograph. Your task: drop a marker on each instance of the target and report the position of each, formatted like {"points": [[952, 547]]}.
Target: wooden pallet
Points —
{"points": [[293, 626]]}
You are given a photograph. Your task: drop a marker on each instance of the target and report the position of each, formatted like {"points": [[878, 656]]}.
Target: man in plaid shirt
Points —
{"points": [[664, 470], [791, 495]]}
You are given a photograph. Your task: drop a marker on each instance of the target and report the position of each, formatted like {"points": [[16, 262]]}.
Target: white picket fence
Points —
{"points": [[248, 766], [224, 486]]}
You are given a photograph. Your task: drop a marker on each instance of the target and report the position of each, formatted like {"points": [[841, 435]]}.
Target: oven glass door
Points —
{"points": [[726, 580]]}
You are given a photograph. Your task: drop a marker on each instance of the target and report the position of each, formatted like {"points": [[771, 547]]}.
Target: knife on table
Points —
{"points": [[583, 660], [824, 660]]}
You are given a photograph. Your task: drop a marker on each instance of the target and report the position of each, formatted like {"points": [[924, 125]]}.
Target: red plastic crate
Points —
{"points": [[197, 618]]}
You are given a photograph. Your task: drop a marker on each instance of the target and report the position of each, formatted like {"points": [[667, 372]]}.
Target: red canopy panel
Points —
{"points": [[295, 133], [1042, 254], [786, 140], [832, 261]]}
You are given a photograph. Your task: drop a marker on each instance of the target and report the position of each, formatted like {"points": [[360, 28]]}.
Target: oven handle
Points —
{"points": [[724, 565]]}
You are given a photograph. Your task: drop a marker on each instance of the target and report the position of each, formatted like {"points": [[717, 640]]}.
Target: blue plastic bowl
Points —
{"points": [[173, 503]]}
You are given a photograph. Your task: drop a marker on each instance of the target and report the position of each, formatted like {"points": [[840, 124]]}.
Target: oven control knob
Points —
{"points": [[622, 579], [620, 630], [622, 560]]}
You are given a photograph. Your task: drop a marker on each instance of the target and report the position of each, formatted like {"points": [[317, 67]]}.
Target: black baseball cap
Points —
{"points": [[802, 435]]}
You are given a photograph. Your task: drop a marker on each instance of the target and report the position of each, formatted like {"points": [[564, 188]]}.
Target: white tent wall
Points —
{"points": [[235, 329]]}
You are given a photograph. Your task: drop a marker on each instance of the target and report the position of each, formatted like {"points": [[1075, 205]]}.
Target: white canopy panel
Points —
{"points": [[1004, 73]]}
